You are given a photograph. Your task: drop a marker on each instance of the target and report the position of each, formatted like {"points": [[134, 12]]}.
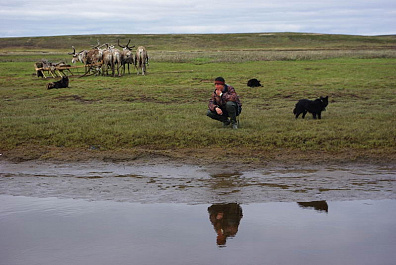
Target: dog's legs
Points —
{"points": [[304, 113], [319, 115], [314, 115]]}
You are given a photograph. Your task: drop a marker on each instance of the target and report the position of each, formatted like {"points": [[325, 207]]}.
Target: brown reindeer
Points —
{"points": [[141, 59], [95, 57], [107, 58], [126, 56]]}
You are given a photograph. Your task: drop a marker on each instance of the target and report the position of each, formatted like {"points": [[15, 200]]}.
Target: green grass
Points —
{"points": [[167, 108]]}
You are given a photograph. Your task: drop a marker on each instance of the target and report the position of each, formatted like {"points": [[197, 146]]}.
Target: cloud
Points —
{"points": [[49, 18]]}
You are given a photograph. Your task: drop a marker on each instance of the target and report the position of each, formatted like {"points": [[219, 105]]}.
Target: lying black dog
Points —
{"points": [[64, 82], [312, 106], [253, 83]]}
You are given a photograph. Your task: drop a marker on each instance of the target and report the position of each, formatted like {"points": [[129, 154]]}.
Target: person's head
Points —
{"points": [[219, 82]]}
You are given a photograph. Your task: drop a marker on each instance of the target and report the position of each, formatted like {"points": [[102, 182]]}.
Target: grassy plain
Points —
{"points": [[164, 113]]}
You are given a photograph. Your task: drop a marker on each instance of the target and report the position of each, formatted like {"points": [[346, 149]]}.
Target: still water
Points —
{"points": [[41, 231]]}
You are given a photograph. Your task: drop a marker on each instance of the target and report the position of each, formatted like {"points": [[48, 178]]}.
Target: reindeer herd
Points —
{"points": [[103, 58]]}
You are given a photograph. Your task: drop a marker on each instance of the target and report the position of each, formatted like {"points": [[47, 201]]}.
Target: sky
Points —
{"points": [[28, 18]]}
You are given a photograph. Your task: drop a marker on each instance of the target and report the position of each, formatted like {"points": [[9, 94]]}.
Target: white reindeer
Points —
{"points": [[107, 59], [141, 59], [116, 59], [79, 56]]}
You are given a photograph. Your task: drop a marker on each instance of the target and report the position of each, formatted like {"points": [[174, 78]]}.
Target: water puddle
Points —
{"points": [[103, 213], [73, 231]]}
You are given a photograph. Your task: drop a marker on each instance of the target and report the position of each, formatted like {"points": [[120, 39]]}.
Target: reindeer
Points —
{"points": [[141, 58], [107, 58], [126, 55], [79, 56], [117, 59], [95, 56]]}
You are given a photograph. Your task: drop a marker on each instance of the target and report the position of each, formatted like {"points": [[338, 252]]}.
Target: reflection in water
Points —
{"points": [[50, 231], [317, 205], [225, 219]]}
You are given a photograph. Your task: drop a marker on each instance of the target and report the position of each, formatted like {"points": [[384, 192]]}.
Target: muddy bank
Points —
{"points": [[154, 181], [245, 158]]}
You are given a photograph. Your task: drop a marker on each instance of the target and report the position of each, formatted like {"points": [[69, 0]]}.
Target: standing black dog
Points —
{"points": [[312, 106], [253, 83], [64, 82]]}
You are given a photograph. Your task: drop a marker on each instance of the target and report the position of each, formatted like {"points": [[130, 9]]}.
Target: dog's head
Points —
{"points": [[50, 85], [325, 102]]}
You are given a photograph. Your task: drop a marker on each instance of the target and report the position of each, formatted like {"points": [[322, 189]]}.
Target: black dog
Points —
{"points": [[253, 83], [312, 106], [64, 82]]}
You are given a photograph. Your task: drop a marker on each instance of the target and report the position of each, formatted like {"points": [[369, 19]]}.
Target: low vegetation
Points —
{"points": [[163, 113]]}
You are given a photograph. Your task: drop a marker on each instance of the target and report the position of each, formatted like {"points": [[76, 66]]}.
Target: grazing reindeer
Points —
{"points": [[126, 55], [141, 58]]}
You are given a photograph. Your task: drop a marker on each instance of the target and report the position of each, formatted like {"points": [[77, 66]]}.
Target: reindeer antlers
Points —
{"points": [[118, 40], [74, 51], [126, 46], [130, 48], [97, 46]]}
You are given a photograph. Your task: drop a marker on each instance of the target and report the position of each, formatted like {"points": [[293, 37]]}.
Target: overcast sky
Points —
{"points": [[19, 18]]}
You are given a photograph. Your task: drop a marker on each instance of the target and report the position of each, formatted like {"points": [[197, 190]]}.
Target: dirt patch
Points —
{"points": [[75, 98]]}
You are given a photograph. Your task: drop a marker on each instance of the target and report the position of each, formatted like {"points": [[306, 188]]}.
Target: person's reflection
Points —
{"points": [[225, 219]]}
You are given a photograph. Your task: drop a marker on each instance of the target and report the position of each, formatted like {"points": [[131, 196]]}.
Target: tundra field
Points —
{"points": [[163, 114]]}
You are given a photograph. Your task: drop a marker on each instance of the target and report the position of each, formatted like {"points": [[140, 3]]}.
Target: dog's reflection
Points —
{"points": [[225, 219], [320, 206]]}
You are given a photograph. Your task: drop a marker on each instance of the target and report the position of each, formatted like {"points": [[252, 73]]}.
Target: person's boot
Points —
{"points": [[234, 125]]}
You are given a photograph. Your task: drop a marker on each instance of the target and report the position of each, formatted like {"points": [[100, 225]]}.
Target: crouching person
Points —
{"points": [[224, 104]]}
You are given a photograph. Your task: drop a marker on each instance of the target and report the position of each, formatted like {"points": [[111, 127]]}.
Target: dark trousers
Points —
{"points": [[230, 110]]}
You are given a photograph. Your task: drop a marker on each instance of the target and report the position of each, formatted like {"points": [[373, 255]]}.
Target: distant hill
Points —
{"points": [[205, 41]]}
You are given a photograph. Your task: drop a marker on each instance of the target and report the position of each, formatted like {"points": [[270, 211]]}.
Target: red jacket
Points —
{"points": [[229, 94]]}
